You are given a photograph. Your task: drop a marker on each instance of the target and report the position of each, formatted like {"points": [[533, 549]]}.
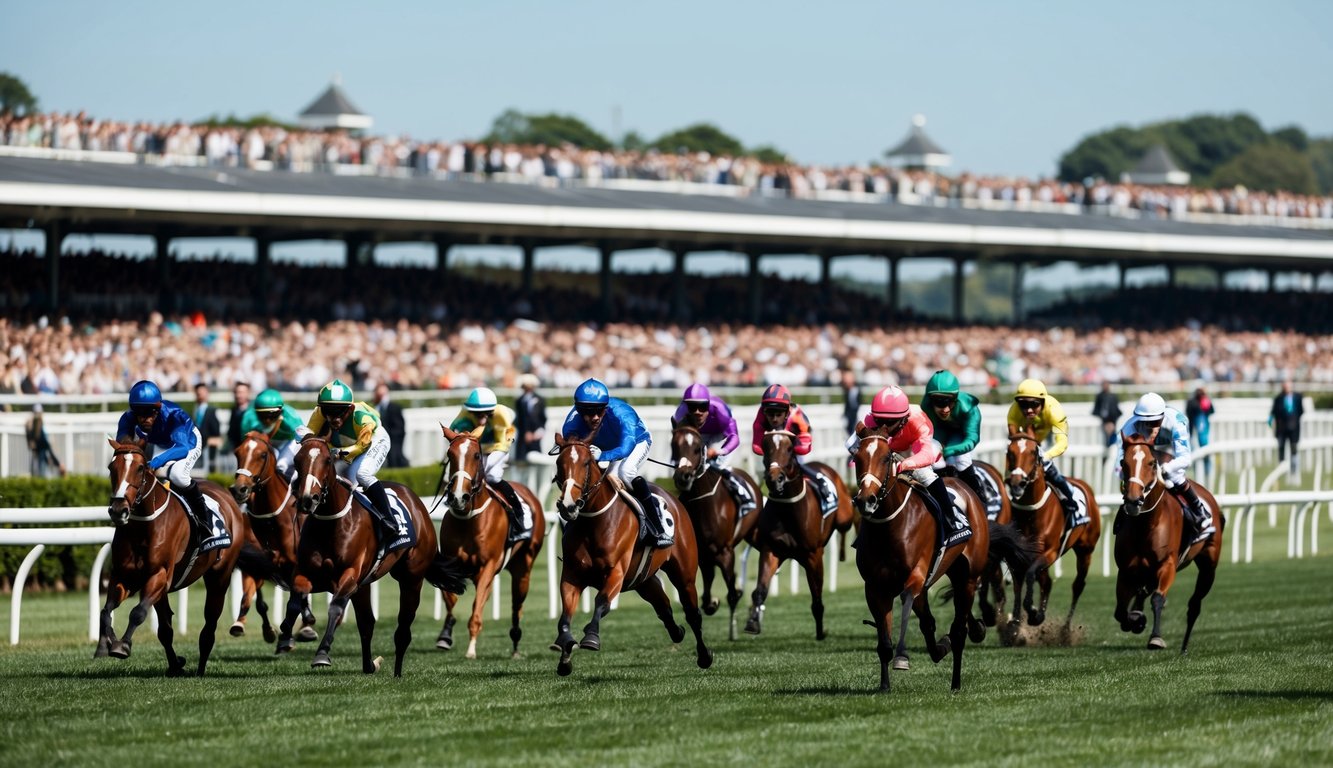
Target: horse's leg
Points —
{"points": [[937, 646], [409, 599], [262, 607], [814, 576], [445, 641], [307, 633], [1166, 576], [564, 639], [964, 593], [520, 576], [768, 565], [1124, 594], [365, 628], [726, 562], [900, 658], [115, 595], [166, 635], [297, 601], [1045, 582], [708, 561], [485, 582], [215, 599], [689, 601], [249, 590], [988, 611], [1207, 572], [651, 590], [881, 608], [592, 631], [1030, 578], [154, 589], [342, 593], [1083, 562]]}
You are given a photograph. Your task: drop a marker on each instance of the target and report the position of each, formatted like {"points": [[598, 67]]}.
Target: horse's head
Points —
{"points": [[577, 476], [255, 465], [874, 469], [1021, 460], [1139, 473], [688, 456], [131, 479], [463, 456], [314, 473], [779, 459]]}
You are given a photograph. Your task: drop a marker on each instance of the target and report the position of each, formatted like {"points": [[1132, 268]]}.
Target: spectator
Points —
{"points": [[206, 418], [1107, 408], [851, 401], [40, 454], [530, 417], [240, 396], [1199, 413], [1285, 419], [391, 416]]}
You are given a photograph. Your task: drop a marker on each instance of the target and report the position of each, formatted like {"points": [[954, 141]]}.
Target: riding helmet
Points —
{"points": [[335, 393], [943, 382], [145, 393], [890, 403], [481, 399], [696, 393], [1150, 407], [592, 392], [269, 400], [776, 394], [1031, 388]]}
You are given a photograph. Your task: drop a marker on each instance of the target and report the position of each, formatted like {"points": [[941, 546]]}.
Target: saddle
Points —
{"points": [[401, 518], [668, 522]]}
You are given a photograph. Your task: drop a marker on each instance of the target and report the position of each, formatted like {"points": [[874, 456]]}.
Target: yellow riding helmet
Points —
{"points": [[1032, 388]]}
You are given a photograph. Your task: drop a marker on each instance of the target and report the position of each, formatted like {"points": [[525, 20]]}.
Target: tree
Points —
{"points": [[253, 121], [15, 98], [514, 127], [769, 154], [1270, 166], [1321, 159], [700, 137], [1293, 137], [633, 141], [1200, 144]]}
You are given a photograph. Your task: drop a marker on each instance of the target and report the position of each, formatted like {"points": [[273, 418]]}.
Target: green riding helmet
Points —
{"points": [[943, 382], [335, 393], [269, 400]]}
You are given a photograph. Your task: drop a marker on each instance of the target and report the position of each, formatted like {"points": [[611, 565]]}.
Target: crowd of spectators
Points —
{"points": [[278, 148]]}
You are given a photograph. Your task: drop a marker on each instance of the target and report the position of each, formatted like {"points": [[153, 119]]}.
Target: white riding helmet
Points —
{"points": [[1150, 407]]}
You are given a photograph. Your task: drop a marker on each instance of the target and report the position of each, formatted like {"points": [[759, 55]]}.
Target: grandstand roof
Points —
{"points": [[332, 109], [1158, 167], [918, 150], [201, 201]]}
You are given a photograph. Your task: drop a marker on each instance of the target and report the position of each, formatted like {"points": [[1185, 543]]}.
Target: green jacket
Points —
{"points": [[283, 429], [962, 431]]}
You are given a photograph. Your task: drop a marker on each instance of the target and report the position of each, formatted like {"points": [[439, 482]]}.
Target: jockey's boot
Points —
{"points": [[517, 531], [1063, 492], [828, 498], [739, 492], [656, 535], [973, 477], [1198, 520], [954, 528], [212, 530], [397, 536]]}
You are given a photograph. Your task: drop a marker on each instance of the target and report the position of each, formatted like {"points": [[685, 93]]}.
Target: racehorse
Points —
{"points": [[339, 552], [473, 533], [599, 550], [792, 527], [267, 498], [715, 514], [896, 556], [153, 553], [1038, 514], [992, 584], [1149, 549]]}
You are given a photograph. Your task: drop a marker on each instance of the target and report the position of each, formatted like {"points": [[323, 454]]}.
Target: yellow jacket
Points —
{"points": [[357, 432], [499, 433], [1049, 421]]}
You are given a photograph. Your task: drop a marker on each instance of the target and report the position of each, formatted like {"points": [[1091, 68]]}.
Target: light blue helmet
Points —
{"points": [[592, 392], [480, 399], [145, 393]]}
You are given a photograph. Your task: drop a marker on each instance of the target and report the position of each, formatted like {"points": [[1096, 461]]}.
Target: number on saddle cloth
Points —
{"points": [[1081, 500], [401, 519]]}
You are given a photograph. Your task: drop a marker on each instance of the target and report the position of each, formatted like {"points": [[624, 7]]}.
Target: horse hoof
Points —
{"points": [[988, 614], [306, 635], [976, 632], [321, 660], [1138, 622], [676, 633], [820, 634], [901, 663], [375, 665], [711, 607], [591, 642], [515, 656], [119, 650], [447, 644], [941, 649], [564, 668], [237, 630], [1036, 618], [752, 627], [1156, 643], [705, 659], [270, 636], [284, 646], [100, 652]]}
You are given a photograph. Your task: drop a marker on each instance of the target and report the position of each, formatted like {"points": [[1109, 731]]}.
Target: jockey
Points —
{"points": [[778, 412], [1168, 431], [354, 431], [271, 416], [1034, 407], [956, 419], [712, 417], [910, 431], [164, 424], [496, 422], [618, 436]]}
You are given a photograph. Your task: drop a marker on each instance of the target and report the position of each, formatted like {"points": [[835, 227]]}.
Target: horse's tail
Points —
{"points": [[254, 562], [447, 573], [1008, 544]]}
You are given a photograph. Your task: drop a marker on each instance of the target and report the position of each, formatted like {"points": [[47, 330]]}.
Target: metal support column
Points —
{"points": [[604, 278], [55, 238], [756, 289], [679, 303]]}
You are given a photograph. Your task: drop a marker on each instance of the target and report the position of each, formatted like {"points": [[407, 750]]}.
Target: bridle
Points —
{"points": [[1025, 479], [310, 477], [864, 479], [140, 494], [587, 489], [1138, 504], [458, 504], [698, 470], [789, 471]]}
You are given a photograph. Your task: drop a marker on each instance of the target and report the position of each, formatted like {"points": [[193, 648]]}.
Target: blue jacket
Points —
{"points": [[621, 430], [174, 430]]}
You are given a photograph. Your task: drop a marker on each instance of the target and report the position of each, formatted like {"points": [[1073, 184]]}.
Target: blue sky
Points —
{"points": [[1006, 86]]}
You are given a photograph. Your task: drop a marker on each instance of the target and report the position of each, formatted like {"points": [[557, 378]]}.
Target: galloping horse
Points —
{"points": [[1038, 514], [715, 514], [151, 554], [791, 526], [338, 552], [599, 550], [896, 557], [992, 584], [267, 498], [473, 533], [1148, 546]]}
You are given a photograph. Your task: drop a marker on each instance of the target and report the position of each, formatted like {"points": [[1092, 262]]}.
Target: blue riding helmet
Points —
{"points": [[592, 392], [145, 393]]}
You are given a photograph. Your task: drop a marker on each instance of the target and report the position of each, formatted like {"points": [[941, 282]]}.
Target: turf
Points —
{"points": [[1256, 689]]}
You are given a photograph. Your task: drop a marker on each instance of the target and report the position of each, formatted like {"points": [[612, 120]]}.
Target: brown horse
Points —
{"points": [[791, 525], [599, 550], [473, 534], [715, 514], [338, 552], [267, 498], [1149, 549], [1038, 514], [896, 556], [992, 584], [151, 554]]}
